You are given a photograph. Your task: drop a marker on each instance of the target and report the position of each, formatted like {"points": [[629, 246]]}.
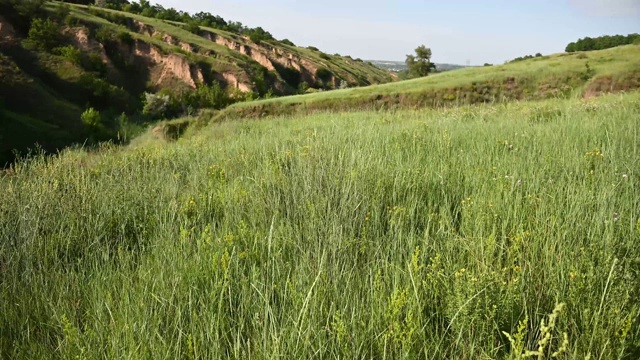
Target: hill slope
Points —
{"points": [[562, 75], [60, 59]]}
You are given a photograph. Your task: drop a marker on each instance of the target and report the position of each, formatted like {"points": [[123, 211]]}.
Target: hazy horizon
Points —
{"points": [[459, 32]]}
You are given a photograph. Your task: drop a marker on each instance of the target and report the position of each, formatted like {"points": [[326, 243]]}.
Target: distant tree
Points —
{"points": [[538, 55], [287, 42], [258, 35], [601, 42], [420, 64]]}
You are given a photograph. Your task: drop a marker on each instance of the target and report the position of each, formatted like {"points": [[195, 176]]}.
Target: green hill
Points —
{"points": [[59, 59], [583, 74]]}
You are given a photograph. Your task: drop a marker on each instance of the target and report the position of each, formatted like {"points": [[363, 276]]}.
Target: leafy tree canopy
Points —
{"points": [[420, 64]]}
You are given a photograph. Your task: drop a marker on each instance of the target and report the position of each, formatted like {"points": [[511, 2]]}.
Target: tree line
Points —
{"points": [[145, 8], [602, 42]]}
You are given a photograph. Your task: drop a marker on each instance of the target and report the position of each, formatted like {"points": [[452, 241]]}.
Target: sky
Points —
{"points": [[461, 32]]}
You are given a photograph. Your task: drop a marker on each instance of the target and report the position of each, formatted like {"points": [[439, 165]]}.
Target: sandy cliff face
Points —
{"points": [[267, 55], [166, 68], [81, 40], [177, 66]]}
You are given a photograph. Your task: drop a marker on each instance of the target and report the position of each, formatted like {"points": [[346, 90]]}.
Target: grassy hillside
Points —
{"points": [[477, 232], [105, 59], [583, 74]]}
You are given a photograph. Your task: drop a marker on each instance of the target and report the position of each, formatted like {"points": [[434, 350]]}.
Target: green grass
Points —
{"points": [[382, 234], [561, 75]]}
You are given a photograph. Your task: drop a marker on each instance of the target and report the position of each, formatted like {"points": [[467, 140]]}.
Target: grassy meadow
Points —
{"points": [[563, 75], [505, 231]]}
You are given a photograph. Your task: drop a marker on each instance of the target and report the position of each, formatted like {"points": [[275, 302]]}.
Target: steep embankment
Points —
{"points": [[86, 57], [585, 74]]}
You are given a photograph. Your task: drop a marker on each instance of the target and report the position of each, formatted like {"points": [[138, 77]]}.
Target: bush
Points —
{"points": [[125, 38], [287, 42], [313, 48], [324, 56], [70, 53], [192, 27], [43, 35], [105, 34], [91, 119], [155, 105]]}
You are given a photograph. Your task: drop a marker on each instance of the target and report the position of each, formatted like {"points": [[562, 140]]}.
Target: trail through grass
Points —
{"points": [[409, 234]]}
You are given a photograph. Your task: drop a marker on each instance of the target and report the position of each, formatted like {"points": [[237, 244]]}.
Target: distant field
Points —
{"points": [[563, 75], [483, 232]]}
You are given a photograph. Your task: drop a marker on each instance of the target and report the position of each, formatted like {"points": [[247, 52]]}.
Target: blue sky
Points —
{"points": [[457, 31]]}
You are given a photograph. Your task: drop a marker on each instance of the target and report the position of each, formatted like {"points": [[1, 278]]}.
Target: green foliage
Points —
{"points": [[156, 105], [464, 233], [313, 48], [125, 37], [420, 65], [257, 35], [105, 34], [70, 53], [324, 56], [104, 95], [43, 35], [601, 42], [192, 27], [522, 58], [91, 119], [287, 42], [27, 9]]}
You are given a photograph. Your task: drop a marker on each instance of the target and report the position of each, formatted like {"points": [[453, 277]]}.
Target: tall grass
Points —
{"points": [[506, 232]]}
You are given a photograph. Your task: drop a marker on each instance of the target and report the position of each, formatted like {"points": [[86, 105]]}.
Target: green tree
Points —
{"points": [[420, 64], [43, 35]]}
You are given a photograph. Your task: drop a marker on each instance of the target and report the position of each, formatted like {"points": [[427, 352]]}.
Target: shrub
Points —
{"points": [[43, 35], [313, 48], [192, 27], [324, 56], [93, 62], [70, 53], [105, 34], [91, 118], [287, 42], [125, 38], [155, 105]]}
